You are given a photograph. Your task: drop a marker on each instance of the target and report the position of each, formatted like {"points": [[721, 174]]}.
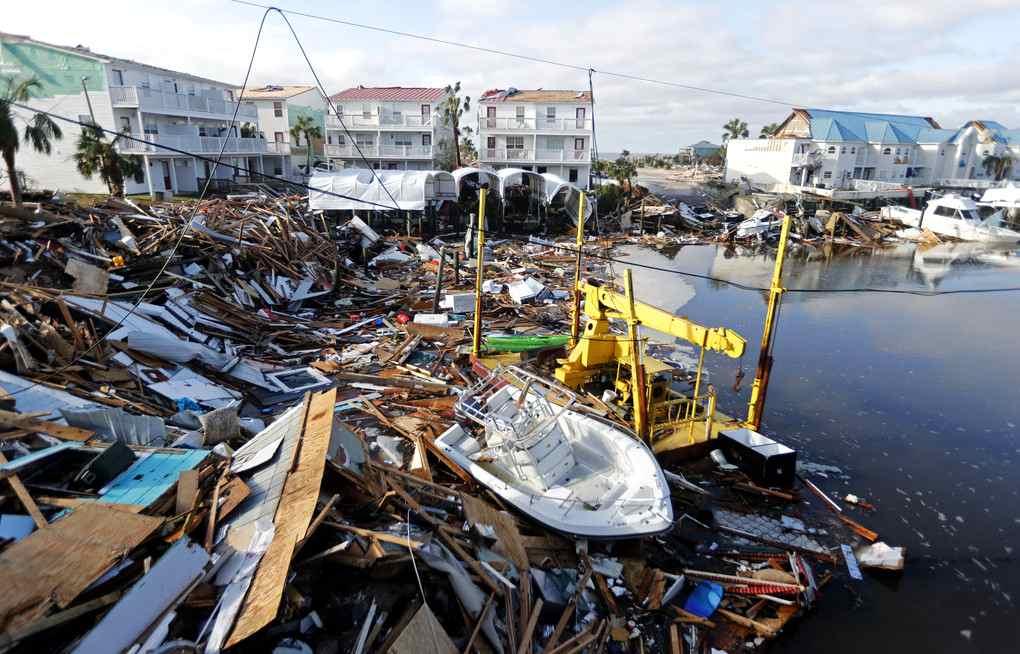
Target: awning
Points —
{"points": [[413, 190]]}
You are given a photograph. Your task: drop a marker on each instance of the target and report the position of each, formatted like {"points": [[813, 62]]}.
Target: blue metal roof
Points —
{"points": [[829, 125], [932, 135], [150, 476]]}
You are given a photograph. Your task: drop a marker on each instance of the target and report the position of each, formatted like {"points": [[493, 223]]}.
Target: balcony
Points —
{"points": [[156, 101], [535, 125], [190, 143], [277, 147], [384, 151], [515, 154], [385, 121], [573, 156]]}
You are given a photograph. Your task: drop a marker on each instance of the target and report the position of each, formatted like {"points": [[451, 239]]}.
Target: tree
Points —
{"points": [[305, 126], [768, 130], [623, 170], [998, 166], [467, 151], [40, 131], [97, 156], [735, 129], [248, 131], [453, 108]]}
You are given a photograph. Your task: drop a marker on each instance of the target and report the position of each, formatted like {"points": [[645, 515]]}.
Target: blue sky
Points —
{"points": [[951, 60]]}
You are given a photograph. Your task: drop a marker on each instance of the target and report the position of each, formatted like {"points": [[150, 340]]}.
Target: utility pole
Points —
{"points": [[88, 100]]}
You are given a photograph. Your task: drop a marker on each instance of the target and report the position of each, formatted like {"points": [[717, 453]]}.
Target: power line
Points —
{"points": [[180, 239], [517, 55]]}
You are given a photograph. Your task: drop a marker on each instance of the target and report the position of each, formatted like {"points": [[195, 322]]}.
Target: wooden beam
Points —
{"points": [[378, 535], [529, 631], [568, 611], [316, 522], [479, 622], [24, 496]]}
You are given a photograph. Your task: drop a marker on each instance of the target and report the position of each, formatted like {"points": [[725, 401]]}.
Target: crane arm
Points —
{"points": [[601, 300]]}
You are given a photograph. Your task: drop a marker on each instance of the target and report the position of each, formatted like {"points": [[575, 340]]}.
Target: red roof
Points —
{"points": [[390, 93]]}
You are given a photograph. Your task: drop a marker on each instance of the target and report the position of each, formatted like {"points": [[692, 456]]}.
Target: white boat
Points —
{"points": [[568, 470], [761, 222], [954, 216]]}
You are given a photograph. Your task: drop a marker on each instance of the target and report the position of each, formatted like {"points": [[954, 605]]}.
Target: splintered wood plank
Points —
{"points": [[25, 497], [53, 565], [293, 515], [480, 512]]}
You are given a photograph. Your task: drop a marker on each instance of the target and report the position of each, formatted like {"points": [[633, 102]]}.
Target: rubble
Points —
{"points": [[247, 459]]}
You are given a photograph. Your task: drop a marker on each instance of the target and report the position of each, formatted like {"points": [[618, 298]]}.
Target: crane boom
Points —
{"points": [[614, 305]]}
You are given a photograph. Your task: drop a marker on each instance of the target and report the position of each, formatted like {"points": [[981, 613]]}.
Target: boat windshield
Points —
{"points": [[969, 214]]}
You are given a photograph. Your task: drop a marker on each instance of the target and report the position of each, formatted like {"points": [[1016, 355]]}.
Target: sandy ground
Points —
{"points": [[665, 184]]}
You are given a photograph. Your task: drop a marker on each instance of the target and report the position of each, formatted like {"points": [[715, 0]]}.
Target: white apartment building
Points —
{"points": [[395, 128], [164, 107], [540, 130], [279, 108], [837, 149]]}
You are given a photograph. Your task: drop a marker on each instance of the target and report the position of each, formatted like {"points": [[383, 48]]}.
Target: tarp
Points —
{"points": [[413, 190]]}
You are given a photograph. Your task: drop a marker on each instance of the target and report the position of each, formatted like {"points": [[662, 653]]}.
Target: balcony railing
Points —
{"points": [[386, 121], [385, 151], [562, 155], [190, 143], [277, 147], [156, 101], [513, 154], [535, 124], [351, 151]]}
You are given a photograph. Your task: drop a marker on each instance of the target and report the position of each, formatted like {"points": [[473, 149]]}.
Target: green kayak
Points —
{"points": [[524, 342]]}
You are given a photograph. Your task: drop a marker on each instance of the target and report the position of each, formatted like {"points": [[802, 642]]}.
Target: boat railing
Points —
{"points": [[679, 411]]}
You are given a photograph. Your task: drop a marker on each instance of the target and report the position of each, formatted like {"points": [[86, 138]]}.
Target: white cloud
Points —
{"points": [[948, 59]]}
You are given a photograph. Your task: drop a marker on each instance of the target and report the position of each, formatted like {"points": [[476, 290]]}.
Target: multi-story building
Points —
{"points": [[188, 113], [394, 127], [835, 149], [540, 130], [280, 107]]}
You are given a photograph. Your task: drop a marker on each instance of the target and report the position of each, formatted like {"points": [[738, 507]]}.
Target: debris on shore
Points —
{"points": [[219, 433]]}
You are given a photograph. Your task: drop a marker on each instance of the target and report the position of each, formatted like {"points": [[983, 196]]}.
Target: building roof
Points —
{"points": [[704, 144], [83, 51], [828, 125], [275, 91], [512, 94], [390, 94]]}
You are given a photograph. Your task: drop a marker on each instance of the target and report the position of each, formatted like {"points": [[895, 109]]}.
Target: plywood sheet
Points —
{"points": [[422, 635], [53, 565], [293, 515], [507, 535]]}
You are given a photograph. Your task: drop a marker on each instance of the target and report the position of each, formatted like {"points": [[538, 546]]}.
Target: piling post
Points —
{"points": [[575, 319], [476, 338]]}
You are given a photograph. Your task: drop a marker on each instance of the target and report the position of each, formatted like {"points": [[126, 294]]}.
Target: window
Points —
{"points": [[340, 140], [329, 139], [579, 143], [579, 118], [550, 113], [520, 114], [118, 78], [887, 151], [853, 150], [277, 169], [827, 174], [426, 140], [151, 128], [278, 137], [230, 95], [573, 175], [139, 175], [404, 140], [541, 169], [490, 142], [942, 153], [515, 143], [366, 112], [832, 149], [842, 150], [278, 109], [944, 211], [125, 124], [426, 111]]}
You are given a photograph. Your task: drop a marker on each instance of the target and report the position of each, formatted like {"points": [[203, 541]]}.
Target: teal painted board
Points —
{"points": [[150, 476]]}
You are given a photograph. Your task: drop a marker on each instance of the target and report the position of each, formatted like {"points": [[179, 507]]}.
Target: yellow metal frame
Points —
{"points": [[476, 338]]}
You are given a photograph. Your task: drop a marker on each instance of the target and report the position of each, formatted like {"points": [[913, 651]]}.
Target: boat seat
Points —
{"points": [[545, 463]]}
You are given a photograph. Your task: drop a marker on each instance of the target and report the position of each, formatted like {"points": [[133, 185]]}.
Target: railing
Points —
{"points": [[413, 121], [527, 123], [670, 416], [277, 147], [406, 151], [969, 183], [189, 143], [351, 151], [514, 154], [873, 185], [801, 159], [562, 155], [154, 100]]}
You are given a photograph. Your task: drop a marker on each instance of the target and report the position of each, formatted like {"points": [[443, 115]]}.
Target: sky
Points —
{"points": [[948, 59]]}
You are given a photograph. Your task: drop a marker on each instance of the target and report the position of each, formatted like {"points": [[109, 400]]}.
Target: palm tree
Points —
{"points": [[768, 130], [305, 126], [40, 130], [623, 170], [97, 156], [467, 149], [453, 108], [248, 131], [735, 129]]}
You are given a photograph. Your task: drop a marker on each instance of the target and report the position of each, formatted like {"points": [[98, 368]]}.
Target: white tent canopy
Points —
{"points": [[510, 176], [571, 195], [412, 189], [484, 177]]}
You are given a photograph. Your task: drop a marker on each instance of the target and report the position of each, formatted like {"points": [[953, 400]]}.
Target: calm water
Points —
{"points": [[916, 399]]}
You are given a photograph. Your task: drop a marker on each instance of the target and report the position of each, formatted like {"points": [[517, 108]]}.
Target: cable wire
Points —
{"points": [[180, 239], [517, 55]]}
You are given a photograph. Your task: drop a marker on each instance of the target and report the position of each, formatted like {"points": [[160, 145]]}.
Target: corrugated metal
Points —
{"points": [[113, 423], [390, 93]]}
